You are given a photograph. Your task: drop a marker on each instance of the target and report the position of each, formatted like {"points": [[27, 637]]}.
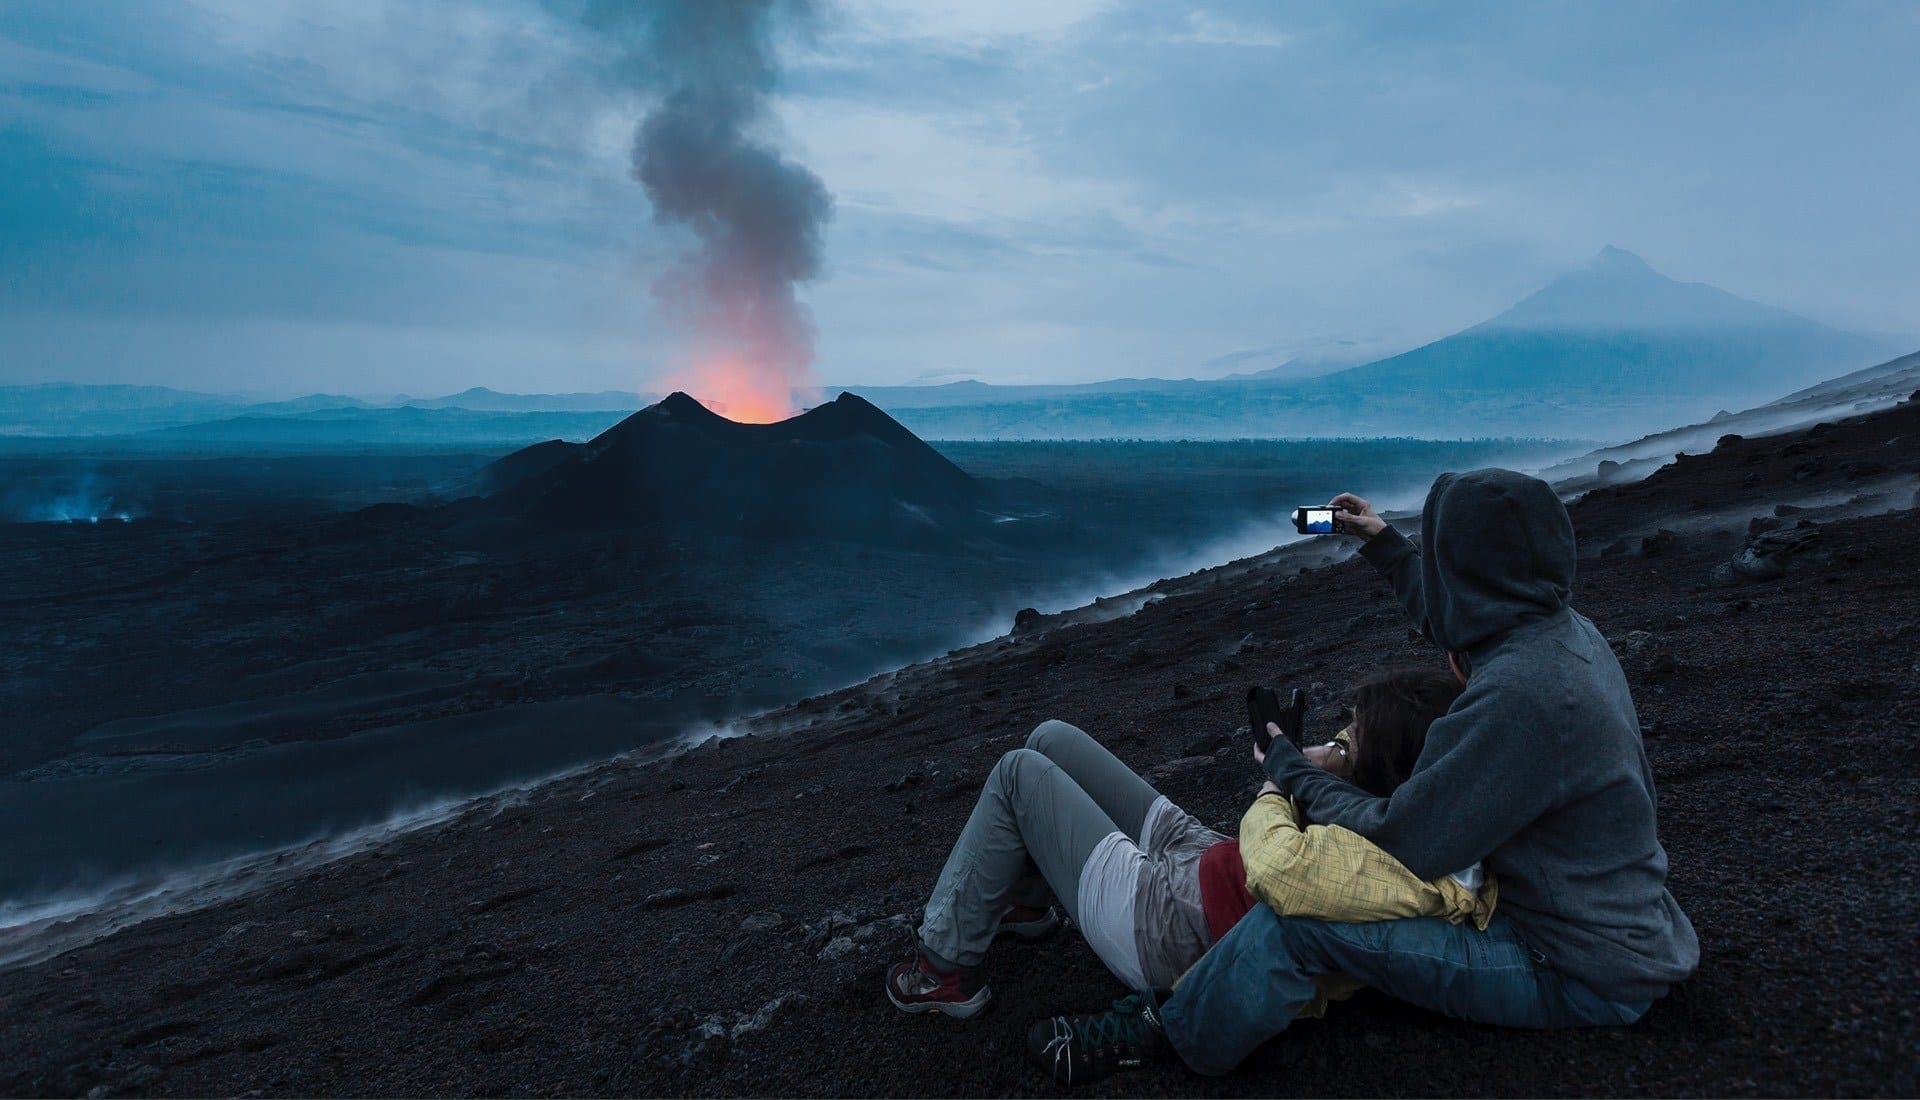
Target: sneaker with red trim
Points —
{"points": [[919, 986], [1024, 922]]}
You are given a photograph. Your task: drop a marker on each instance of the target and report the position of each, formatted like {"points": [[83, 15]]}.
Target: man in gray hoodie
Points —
{"points": [[1537, 771]]}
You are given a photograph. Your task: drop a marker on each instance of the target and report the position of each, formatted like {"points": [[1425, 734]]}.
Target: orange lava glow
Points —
{"points": [[740, 391]]}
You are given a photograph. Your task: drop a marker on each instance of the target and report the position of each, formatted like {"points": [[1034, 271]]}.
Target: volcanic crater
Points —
{"points": [[842, 470]]}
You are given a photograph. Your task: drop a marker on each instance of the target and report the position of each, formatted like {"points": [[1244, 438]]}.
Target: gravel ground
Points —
{"points": [[718, 923]]}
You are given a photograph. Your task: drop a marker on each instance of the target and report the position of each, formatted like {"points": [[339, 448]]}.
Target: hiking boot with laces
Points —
{"points": [[1024, 922], [919, 986], [1079, 1049]]}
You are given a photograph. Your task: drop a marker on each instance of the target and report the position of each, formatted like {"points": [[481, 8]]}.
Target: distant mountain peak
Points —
{"points": [[1618, 290], [1618, 261], [1616, 331]]}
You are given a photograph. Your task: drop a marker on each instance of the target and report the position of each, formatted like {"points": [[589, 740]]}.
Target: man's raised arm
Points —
{"points": [[1484, 775], [1389, 552]]}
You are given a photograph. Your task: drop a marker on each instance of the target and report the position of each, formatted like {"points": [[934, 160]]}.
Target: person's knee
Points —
{"points": [[1016, 766], [1051, 733]]}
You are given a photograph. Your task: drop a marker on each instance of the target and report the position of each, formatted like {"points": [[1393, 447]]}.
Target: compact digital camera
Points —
{"points": [[1317, 521]]}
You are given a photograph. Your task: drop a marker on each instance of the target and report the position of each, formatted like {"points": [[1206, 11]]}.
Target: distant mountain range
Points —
{"points": [[68, 409], [1619, 329], [1605, 352], [407, 427]]}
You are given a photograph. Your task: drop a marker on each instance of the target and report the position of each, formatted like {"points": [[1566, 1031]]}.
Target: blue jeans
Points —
{"points": [[1249, 987]]}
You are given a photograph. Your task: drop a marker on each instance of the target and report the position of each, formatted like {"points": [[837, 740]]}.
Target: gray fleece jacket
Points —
{"points": [[1538, 769]]}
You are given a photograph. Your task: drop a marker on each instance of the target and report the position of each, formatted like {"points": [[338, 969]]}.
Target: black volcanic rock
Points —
{"points": [[843, 470], [511, 949]]}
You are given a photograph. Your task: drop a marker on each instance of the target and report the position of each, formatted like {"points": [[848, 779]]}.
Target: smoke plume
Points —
{"points": [[701, 153]]}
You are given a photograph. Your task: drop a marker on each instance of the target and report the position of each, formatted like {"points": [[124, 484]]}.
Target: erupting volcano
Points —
{"points": [[743, 391], [707, 66], [843, 471]]}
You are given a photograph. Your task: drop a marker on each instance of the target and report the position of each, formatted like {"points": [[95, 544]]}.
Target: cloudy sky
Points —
{"points": [[379, 196]]}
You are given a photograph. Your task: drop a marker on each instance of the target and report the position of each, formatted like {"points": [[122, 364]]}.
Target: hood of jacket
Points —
{"points": [[1497, 551]]}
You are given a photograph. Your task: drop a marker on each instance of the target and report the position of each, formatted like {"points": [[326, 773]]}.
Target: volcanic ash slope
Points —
{"points": [[719, 924]]}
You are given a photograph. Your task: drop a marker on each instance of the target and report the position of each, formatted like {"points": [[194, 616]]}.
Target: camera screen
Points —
{"points": [[1319, 521]]}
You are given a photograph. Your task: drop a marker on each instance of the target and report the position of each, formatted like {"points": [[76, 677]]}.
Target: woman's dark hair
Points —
{"points": [[1392, 712]]}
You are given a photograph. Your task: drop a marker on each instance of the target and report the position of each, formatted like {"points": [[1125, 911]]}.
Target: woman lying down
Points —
{"points": [[1062, 822]]}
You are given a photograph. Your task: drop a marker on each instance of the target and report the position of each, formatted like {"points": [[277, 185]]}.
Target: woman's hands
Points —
{"points": [[1357, 516]]}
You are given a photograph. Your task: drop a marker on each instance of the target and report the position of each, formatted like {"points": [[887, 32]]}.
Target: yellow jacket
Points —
{"points": [[1335, 874]]}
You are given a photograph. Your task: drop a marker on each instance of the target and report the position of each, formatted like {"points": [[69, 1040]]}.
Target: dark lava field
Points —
{"points": [[717, 922], [264, 654]]}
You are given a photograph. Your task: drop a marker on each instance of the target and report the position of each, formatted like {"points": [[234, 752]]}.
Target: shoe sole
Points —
{"points": [[959, 1010]]}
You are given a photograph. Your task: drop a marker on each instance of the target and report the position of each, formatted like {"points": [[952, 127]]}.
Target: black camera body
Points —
{"points": [[1318, 520]]}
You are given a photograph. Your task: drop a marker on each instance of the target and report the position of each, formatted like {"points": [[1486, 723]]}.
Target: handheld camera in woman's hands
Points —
{"points": [[1264, 706]]}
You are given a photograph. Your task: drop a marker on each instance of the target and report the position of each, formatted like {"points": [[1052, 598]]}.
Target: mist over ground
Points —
{"points": [[362, 639], [548, 912], [343, 648]]}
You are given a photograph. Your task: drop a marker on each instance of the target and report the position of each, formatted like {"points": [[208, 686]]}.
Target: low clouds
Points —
{"points": [[1024, 192]]}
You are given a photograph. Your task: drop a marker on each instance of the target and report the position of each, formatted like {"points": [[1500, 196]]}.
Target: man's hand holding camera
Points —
{"points": [[1356, 517], [1345, 514]]}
